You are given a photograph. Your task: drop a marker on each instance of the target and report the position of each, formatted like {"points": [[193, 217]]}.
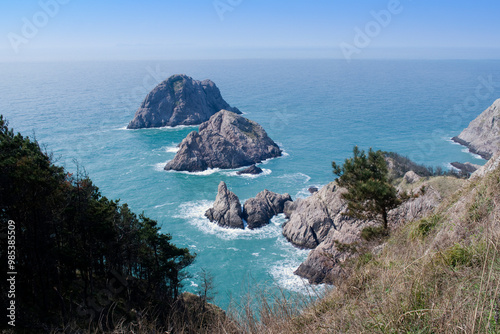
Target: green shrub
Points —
{"points": [[374, 232], [423, 227]]}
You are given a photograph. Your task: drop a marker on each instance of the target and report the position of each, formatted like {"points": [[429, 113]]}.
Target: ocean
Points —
{"points": [[316, 110]]}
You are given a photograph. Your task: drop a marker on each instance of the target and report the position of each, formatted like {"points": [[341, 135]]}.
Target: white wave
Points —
{"points": [[304, 192], [449, 166], [209, 171], [233, 249], [296, 177], [477, 156], [194, 213], [159, 167], [163, 128], [176, 128], [256, 254], [162, 205], [172, 149], [450, 140], [283, 272], [265, 172]]}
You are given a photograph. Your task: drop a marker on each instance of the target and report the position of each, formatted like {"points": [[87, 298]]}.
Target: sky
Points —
{"points": [[226, 29]]}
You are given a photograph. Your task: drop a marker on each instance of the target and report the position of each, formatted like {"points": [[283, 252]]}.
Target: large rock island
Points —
{"points": [[225, 141], [482, 136], [180, 100]]}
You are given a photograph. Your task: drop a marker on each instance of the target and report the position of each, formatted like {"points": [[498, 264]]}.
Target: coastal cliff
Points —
{"points": [[180, 100], [482, 136], [320, 223]]}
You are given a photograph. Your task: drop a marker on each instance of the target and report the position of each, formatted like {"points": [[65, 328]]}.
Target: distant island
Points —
{"points": [[180, 100]]}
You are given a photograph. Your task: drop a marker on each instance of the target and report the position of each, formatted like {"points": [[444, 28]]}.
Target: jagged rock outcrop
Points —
{"points": [[411, 177], [225, 141], [252, 170], [482, 136], [180, 100], [259, 210], [466, 167], [226, 211], [319, 222], [311, 219]]}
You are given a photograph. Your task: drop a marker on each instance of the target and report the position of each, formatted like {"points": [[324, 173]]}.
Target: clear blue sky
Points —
{"points": [[155, 29]]}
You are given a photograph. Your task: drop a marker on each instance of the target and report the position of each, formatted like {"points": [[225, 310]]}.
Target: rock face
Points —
{"points": [[226, 211], [259, 210], [482, 136], [252, 170], [180, 100], [311, 219], [226, 140], [411, 177], [318, 222]]}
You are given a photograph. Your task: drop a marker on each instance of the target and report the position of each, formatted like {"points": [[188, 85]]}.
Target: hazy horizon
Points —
{"points": [[66, 30]]}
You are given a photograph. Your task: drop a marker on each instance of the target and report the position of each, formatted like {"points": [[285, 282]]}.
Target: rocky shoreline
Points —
{"points": [[482, 136]]}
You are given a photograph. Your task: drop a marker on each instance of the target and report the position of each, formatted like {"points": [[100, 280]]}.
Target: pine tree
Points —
{"points": [[370, 194]]}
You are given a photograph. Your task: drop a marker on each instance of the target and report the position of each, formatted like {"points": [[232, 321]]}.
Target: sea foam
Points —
{"points": [[194, 213]]}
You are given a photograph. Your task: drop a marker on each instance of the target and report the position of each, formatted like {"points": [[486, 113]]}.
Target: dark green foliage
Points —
{"points": [[80, 255], [400, 165], [373, 233], [370, 194]]}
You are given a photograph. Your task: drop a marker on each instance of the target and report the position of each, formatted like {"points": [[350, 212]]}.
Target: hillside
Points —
{"points": [[440, 274]]}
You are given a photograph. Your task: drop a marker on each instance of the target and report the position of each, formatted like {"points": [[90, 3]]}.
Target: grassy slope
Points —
{"points": [[440, 274]]}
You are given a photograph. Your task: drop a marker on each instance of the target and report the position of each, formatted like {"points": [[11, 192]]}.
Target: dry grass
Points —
{"points": [[419, 286]]}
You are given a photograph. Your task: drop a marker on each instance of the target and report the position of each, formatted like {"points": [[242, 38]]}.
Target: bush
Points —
{"points": [[374, 232], [423, 227]]}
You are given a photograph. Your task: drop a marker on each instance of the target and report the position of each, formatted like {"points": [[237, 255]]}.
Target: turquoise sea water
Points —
{"points": [[315, 109]]}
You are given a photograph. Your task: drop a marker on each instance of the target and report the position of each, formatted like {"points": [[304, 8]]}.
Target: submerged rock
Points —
{"points": [[252, 170], [259, 210], [482, 136], [313, 190], [226, 211], [180, 100], [225, 141]]}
